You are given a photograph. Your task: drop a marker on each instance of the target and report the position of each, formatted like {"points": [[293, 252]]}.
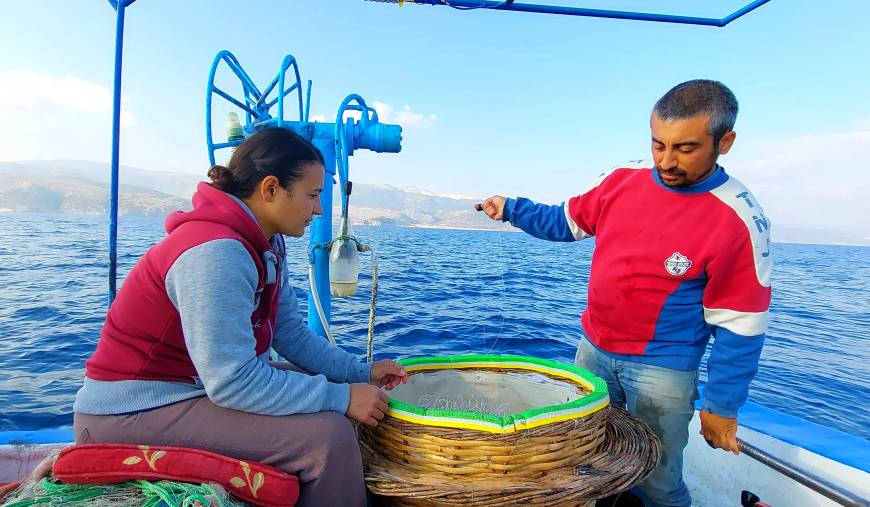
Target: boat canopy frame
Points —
{"points": [[511, 5]]}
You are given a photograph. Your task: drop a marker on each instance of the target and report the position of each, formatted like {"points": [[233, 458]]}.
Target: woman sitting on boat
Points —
{"points": [[183, 356]]}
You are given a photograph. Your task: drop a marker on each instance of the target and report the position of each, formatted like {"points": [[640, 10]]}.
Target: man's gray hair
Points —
{"points": [[700, 96]]}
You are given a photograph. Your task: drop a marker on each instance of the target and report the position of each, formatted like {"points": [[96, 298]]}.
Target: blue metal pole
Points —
{"points": [[116, 135], [321, 232]]}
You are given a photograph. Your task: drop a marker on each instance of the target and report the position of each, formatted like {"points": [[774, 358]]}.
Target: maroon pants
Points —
{"points": [[321, 449]]}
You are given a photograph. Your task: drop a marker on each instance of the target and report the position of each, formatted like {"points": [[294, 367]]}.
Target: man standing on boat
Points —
{"points": [[681, 255]]}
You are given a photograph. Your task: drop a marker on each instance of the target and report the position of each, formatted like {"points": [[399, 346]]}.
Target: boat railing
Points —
{"points": [[809, 479]]}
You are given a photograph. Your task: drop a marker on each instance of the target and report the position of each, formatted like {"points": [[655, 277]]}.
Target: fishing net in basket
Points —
{"points": [[503, 430]]}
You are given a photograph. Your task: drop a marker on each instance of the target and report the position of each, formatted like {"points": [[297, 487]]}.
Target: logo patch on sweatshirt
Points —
{"points": [[677, 264]]}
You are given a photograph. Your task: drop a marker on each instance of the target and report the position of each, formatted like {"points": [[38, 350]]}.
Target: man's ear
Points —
{"points": [[269, 188], [727, 142]]}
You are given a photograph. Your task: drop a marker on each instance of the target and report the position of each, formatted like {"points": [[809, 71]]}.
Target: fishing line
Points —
{"points": [[503, 293]]}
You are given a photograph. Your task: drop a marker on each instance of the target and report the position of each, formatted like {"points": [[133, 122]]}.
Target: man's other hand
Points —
{"points": [[719, 432], [493, 207]]}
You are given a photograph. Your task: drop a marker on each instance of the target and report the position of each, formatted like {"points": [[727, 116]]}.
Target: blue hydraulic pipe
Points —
{"points": [[344, 139], [595, 13], [116, 154], [377, 137], [321, 233], [331, 139]]}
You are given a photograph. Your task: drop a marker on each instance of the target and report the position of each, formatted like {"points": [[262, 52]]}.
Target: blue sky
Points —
{"points": [[491, 102]]}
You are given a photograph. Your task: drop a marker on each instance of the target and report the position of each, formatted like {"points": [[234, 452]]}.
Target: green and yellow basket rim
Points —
{"points": [[596, 400]]}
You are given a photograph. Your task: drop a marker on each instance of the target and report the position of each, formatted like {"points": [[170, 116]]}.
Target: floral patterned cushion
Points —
{"points": [[109, 463]]}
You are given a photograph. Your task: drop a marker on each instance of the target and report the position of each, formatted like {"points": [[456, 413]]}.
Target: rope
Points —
{"points": [[328, 245], [371, 337]]}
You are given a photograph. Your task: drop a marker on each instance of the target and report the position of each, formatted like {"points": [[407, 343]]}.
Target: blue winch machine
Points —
{"points": [[334, 263]]}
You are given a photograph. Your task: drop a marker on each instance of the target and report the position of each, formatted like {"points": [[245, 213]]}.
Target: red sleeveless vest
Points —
{"points": [[142, 338]]}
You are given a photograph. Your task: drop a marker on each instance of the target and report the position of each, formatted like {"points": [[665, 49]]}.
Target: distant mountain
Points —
{"points": [[386, 204], [50, 187], [74, 186], [176, 184], [791, 234]]}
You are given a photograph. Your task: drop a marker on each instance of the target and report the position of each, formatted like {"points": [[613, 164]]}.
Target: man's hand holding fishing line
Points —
{"points": [[493, 207]]}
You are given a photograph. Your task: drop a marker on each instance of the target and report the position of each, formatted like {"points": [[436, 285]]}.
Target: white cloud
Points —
{"points": [[57, 117], [811, 181], [318, 118], [33, 92], [127, 119], [404, 116]]}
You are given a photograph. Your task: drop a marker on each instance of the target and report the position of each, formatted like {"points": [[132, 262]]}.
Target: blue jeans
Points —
{"points": [[665, 400]]}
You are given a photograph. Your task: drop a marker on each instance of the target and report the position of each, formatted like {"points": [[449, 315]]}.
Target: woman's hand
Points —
{"points": [[368, 404], [388, 373]]}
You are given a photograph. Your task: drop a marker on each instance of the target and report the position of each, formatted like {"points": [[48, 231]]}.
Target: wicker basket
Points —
{"points": [[429, 457]]}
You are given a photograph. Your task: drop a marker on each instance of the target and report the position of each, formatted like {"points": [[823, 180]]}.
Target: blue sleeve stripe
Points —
{"points": [[732, 366], [539, 220]]}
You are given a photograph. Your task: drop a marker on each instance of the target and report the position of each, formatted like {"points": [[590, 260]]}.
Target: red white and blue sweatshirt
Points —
{"points": [[671, 268]]}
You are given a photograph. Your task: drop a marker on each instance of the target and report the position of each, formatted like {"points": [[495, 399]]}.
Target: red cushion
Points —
{"points": [[5, 489], [109, 463]]}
